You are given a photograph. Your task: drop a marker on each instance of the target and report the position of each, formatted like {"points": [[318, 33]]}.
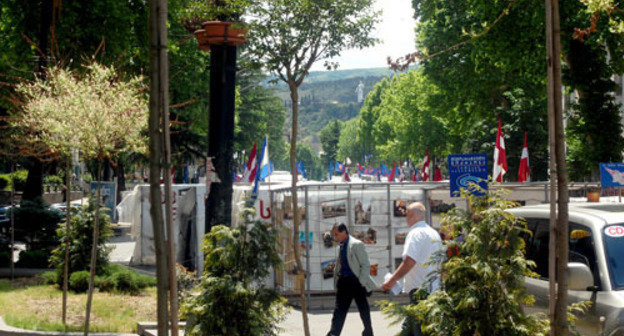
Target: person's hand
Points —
{"points": [[388, 284]]}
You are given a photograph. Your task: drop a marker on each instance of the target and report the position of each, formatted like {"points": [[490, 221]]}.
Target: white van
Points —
{"points": [[596, 262]]}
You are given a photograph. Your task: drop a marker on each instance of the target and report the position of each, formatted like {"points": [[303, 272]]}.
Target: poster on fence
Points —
{"points": [[108, 194]]}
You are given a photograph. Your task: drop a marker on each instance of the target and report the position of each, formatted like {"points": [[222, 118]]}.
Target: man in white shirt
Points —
{"points": [[421, 243]]}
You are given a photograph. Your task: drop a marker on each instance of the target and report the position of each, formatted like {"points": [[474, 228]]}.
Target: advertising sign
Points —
{"points": [[108, 195], [465, 169], [612, 174]]}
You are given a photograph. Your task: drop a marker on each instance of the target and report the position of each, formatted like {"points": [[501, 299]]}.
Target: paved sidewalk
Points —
{"points": [[320, 323]]}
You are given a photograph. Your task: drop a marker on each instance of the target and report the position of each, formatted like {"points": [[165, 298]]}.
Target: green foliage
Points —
{"points": [[35, 224], [81, 240], [312, 163], [79, 281], [231, 298], [50, 277], [53, 180], [33, 259], [5, 258], [483, 285], [329, 137], [17, 177], [349, 145], [594, 126]]}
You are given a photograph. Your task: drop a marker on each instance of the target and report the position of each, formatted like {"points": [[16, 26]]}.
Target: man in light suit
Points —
{"points": [[352, 280]]}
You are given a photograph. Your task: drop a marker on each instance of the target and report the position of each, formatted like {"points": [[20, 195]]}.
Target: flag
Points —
{"points": [[339, 166], [425, 169], [331, 169], [345, 175], [500, 156], [185, 174], [415, 176], [301, 170], [384, 170], [252, 166], [524, 172], [391, 177], [347, 161], [265, 165], [437, 175]]}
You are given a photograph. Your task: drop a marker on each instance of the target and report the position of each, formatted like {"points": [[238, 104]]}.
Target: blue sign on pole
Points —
{"points": [[612, 174], [108, 194], [465, 169]]}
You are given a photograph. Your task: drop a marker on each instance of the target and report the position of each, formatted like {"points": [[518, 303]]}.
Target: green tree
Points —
{"points": [[231, 299], [348, 144], [312, 163], [369, 114], [288, 37], [329, 137]]}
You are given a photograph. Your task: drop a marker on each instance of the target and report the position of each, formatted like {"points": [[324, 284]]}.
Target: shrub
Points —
{"points": [[50, 277], [5, 181], [79, 281], [81, 239], [5, 258], [54, 180], [125, 282], [232, 299], [104, 283], [35, 224], [33, 259]]}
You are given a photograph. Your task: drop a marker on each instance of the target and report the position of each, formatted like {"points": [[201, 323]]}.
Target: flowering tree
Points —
{"points": [[97, 112]]}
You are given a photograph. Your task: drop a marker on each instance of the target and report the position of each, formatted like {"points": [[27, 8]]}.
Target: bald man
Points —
{"points": [[421, 243]]}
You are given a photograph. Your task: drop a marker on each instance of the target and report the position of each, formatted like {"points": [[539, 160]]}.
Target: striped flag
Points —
{"points": [[426, 172], [252, 166], [500, 156], [524, 172]]}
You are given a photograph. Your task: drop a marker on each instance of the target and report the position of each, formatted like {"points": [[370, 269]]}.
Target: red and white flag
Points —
{"points": [[524, 172], [500, 156], [391, 177], [426, 172], [252, 166], [345, 173]]}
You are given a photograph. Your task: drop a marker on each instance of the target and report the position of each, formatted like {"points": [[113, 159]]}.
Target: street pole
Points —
{"points": [[221, 133]]}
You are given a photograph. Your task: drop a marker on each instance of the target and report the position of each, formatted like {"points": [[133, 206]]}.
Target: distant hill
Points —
{"points": [[328, 95]]}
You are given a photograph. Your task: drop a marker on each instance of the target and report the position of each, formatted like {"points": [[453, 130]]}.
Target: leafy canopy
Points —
{"points": [[97, 112]]}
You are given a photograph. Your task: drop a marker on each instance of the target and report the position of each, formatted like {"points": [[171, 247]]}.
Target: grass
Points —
{"points": [[28, 304]]}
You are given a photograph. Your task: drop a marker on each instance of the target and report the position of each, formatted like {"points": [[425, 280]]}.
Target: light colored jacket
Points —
{"points": [[357, 257]]}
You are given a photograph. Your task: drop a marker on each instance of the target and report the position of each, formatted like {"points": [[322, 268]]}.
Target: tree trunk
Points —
{"points": [[34, 182], [552, 164], [294, 97], [171, 234], [96, 237], [158, 102], [67, 239], [559, 325]]}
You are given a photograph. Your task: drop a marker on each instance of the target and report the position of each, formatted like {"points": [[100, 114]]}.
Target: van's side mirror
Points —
{"points": [[580, 277]]}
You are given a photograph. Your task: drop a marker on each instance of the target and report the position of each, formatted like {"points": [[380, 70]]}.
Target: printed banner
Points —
{"points": [[465, 169]]}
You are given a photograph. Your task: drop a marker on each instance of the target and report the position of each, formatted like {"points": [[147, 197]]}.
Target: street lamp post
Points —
{"points": [[221, 40]]}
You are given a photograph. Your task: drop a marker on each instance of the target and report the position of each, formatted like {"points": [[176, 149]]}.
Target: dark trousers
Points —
{"points": [[411, 326], [348, 289]]}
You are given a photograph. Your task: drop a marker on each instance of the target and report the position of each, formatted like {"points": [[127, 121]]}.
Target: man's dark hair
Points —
{"points": [[340, 227]]}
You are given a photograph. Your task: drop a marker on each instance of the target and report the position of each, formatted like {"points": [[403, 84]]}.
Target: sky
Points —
{"points": [[396, 31]]}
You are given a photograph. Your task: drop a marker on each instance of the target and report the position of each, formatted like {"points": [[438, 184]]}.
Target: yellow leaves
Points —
{"points": [[97, 112]]}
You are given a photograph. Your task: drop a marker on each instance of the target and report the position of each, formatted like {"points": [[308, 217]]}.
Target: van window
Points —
{"points": [[614, 248], [537, 247], [581, 247]]}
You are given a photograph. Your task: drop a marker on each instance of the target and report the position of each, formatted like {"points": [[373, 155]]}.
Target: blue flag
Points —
{"points": [[301, 170]]}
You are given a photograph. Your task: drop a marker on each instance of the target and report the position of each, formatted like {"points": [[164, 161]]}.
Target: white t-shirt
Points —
{"points": [[421, 243]]}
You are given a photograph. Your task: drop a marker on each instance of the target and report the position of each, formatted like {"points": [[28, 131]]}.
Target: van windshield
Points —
{"points": [[614, 252]]}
